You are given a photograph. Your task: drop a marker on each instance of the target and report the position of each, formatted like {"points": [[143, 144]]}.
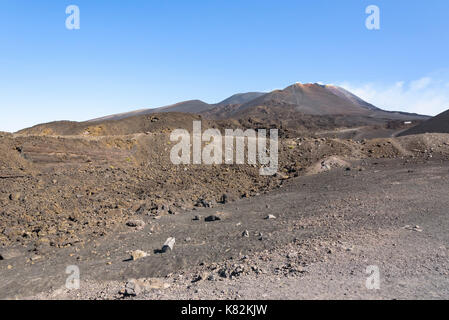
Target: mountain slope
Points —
{"points": [[241, 98], [191, 106], [345, 94], [155, 122], [437, 124]]}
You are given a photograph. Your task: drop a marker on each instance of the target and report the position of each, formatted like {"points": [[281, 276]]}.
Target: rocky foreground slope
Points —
{"points": [[59, 191], [314, 237], [77, 193]]}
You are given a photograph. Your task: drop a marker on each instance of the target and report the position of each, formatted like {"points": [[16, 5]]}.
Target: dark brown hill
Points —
{"points": [[157, 122], [191, 106], [241, 98], [437, 124]]}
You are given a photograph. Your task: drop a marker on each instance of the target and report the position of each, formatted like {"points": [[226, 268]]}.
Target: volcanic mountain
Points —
{"points": [[437, 124], [300, 102], [241, 98], [308, 99], [313, 99]]}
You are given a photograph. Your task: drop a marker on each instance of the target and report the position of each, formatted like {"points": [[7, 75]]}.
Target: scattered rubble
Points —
{"points": [[132, 288], [135, 287], [415, 228], [205, 203], [138, 224]]}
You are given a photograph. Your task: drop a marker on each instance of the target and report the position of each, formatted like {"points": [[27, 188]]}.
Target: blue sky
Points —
{"points": [[142, 53]]}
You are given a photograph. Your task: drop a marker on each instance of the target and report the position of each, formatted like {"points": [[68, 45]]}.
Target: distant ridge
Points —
{"points": [[284, 105], [190, 106], [241, 98]]}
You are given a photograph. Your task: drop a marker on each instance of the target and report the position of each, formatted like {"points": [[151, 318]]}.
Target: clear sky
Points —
{"points": [[147, 53]]}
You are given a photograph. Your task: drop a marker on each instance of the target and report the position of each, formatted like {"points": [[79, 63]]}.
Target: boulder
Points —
{"points": [[138, 254], [138, 224], [168, 245], [212, 218]]}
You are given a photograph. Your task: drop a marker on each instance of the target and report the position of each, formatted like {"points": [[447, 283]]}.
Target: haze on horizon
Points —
{"points": [[142, 54]]}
